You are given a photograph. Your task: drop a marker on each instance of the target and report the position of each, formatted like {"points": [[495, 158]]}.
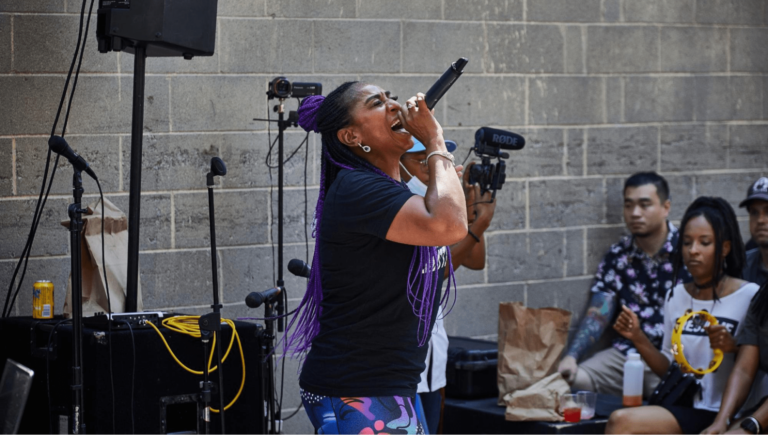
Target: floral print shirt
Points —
{"points": [[640, 282]]}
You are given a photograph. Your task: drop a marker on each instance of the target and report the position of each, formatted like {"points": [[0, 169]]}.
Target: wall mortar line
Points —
{"points": [[13, 167]]}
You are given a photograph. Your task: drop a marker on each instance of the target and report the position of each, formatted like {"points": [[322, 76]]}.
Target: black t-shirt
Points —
{"points": [[367, 345]]}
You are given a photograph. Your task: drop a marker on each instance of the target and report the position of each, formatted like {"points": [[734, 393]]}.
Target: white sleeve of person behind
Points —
{"points": [[437, 355], [730, 311]]}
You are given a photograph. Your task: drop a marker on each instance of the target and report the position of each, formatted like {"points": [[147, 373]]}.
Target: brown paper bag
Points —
{"points": [[539, 402], [530, 344], [116, 256]]}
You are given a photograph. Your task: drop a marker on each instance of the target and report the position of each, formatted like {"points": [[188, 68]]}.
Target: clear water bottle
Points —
{"points": [[633, 380]]}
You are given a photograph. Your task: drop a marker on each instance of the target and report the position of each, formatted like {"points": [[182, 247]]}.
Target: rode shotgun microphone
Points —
{"points": [[445, 82], [59, 146], [494, 137], [298, 268]]}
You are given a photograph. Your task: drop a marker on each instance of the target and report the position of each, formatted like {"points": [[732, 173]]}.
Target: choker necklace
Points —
{"points": [[704, 286]]}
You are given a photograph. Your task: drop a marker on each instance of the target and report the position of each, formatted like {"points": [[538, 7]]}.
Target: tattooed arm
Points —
{"points": [[601, 310]]}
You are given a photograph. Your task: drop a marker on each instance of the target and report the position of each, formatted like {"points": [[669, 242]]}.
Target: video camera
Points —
{"points": [[281, 87], [488, 144]]}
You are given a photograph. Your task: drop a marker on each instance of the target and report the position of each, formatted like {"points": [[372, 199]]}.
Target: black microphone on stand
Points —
{"points": [[61, 147], [256, 299], [298, 268]]}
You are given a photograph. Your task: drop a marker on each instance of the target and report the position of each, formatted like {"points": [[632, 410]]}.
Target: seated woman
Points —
{"points": [[710, 246], [753, 355]]}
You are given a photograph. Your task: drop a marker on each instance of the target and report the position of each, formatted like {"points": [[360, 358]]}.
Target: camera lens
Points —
{"points": [[279, 87]]}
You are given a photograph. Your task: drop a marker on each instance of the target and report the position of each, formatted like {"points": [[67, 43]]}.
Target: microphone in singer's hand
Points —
{"points": [[298, 268], [59, 146], [255, 299], [445, 82]]}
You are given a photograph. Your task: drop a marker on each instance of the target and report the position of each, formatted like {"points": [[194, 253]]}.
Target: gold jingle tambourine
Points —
{"points": [[677, 346]]}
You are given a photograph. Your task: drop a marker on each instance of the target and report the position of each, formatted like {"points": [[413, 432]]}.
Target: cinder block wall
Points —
{"points": [[600, 89]]}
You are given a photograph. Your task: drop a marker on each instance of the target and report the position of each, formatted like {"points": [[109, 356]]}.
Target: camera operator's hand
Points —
{"points": [[418, 120], [480, 209]]}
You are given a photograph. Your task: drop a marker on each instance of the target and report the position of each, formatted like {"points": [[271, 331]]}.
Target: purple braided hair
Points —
{"points": [[421, 289]]}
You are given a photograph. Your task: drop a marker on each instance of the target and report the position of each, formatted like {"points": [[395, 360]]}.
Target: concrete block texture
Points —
{"points": [[575, 37], [520, 257], [241, 8], [241, 218], [542, 155], [748, 146], [621, 150], [566, 203], [6, 167], [659, 11], [724, 98], [349, 43], [611, 10], [628, 49], [154, 221], [749, 50], [682, 192], [694, 49], [563, 10], [60, 33], [36, 6], [28, 115], [172, 161], [101, 152], [649, 99], [744, 12], [599, 240], [515, 48], [430, 47], [479, 101], [565, 100], [483, 10], [574, 252], [311, 9], [731, 187], [693, 147], [51, 237], [175, 279], [477, 309], [399, 9], [296, 218], [250, 46], [5, 43], [55, 270], [575, 139]]}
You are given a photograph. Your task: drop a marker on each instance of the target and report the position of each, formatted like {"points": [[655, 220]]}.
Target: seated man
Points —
{"points": [[636, 273], [756, 267]]}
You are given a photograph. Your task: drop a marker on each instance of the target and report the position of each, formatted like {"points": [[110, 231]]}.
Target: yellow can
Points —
{"points": [[42, 300]]}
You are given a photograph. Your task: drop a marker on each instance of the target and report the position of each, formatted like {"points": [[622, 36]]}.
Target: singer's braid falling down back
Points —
{"points": [[328, 115]]}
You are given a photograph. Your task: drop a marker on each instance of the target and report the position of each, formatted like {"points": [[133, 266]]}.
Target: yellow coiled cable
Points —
{"points": [[189, 325]]}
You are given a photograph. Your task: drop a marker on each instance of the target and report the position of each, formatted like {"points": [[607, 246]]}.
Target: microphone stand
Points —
{"points": [[211, 323], [76, 415], [269, 334]]}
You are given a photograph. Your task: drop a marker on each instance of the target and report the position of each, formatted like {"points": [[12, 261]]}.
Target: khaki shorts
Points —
{"points": [[606, 369]]}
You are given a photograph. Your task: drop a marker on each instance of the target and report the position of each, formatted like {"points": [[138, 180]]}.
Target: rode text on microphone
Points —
{"points": [[488, 144]]}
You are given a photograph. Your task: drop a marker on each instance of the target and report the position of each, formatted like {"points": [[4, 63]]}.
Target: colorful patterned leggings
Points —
{"points": [[363, 415]]}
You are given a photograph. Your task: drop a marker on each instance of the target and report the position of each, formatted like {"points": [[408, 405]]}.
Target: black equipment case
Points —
{"points": [[471, 370], [165, 397]]}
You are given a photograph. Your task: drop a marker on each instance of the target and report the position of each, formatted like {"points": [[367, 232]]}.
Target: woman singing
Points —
{"points": [[379, 260], [711, 248]]}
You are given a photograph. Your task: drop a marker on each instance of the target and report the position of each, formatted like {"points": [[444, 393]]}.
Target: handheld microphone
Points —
{"points": [[494, 137], [255, 299], [299, 268], [59, 146], [445, 82]]}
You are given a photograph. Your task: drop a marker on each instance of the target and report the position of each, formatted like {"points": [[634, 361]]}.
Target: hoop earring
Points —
{"points": [[365, 148]]}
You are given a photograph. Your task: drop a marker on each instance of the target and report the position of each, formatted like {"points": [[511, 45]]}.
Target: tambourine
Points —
{"points": [[677, 346]]}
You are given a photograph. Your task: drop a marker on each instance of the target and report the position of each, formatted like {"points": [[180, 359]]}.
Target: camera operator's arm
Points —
{"points": [[470, 252]]}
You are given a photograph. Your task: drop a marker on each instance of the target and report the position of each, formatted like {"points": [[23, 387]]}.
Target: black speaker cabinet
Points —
{"points": [[164, 396], [168, 27]]}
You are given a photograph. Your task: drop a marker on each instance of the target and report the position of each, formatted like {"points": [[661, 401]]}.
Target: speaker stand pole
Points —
{"points": [[76, 415], [134, 204]]}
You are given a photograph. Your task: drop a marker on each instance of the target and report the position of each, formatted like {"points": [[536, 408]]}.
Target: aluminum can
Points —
{"points": [[42, 300]]}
